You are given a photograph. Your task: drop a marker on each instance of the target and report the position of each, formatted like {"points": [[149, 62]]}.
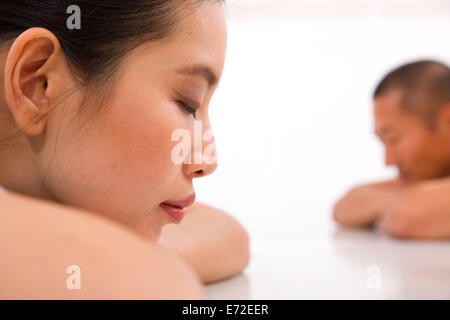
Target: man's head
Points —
{"points": [[412, 119]]}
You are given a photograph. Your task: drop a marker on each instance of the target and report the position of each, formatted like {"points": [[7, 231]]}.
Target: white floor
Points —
{"points": [[293, 125], [340, 264]]}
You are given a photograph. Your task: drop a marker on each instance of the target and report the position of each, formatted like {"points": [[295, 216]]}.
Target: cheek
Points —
{"points": [[123, 165], [141, 146], [416, 151], [410, 149]]}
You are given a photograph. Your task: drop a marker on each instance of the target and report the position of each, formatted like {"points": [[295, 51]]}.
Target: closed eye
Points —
{"points": [[188, 108], [393, 140]]}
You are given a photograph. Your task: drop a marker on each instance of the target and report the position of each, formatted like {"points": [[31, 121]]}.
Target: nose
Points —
{"points": [[199, 170], [389, 159], [203, 161]]}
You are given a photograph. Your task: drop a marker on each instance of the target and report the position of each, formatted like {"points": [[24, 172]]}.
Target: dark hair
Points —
{"points": [[425, 87], [109, 30]]}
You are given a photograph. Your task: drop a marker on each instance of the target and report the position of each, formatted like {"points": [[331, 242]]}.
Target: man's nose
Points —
{"points": [[390, 158]]}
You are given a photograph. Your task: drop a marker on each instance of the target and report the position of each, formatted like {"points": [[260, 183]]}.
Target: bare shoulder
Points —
{"points": [[441, 184], [46, 247], [393, 183]]}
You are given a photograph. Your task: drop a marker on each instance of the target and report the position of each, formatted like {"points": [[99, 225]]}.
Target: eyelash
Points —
{"points": [[187, 108]]}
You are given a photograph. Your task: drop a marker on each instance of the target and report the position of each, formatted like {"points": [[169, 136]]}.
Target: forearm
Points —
{"points": [[364, 205], [423, 212], [212, 242]]}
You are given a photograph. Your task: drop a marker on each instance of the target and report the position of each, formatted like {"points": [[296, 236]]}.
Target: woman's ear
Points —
{"points": [[31, 72]]}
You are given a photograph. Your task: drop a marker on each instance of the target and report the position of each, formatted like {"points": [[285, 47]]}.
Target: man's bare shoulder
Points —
{"points": [[45, 246]]}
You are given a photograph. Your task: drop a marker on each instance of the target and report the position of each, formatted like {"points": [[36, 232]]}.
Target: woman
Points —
{"points": [[87, 117]]}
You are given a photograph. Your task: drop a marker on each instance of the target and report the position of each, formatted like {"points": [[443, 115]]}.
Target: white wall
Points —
{"points": [[293, 118]]}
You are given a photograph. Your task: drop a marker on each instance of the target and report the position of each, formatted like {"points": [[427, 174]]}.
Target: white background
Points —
{"points": [[293, 114], [294, 130]]}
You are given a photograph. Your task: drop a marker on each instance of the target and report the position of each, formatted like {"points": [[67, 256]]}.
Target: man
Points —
{"points": [[412, 119]]}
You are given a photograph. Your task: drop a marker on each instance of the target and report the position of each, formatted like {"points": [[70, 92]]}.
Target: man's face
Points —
{"points": [[417, 151]]}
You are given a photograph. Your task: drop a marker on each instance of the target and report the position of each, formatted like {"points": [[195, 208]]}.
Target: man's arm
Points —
{"points": [[212, 242], [364, 205], [422, 212]]}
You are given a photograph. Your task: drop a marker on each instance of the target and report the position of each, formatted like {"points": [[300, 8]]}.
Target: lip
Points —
{"points": [[403, 173], [175, 209]]}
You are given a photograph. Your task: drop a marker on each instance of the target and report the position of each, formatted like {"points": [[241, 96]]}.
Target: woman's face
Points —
{"points": [[122, 165]]}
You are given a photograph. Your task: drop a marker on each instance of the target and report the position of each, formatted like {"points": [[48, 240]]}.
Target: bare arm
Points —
{"points": [[422, 212], [364, 205], [212, 242], [40, 240]]}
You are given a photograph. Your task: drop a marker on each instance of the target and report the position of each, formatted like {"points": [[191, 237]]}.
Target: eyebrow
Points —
{"points": [[202, 71]]}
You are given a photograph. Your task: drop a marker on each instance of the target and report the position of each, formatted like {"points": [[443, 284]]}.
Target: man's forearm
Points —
{"points": [[212, 242], [422, 212], [364, 205]]}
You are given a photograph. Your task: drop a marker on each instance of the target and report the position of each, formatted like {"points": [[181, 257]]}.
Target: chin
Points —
{"points": [[417, 179], [152, 236], [406, 178]]}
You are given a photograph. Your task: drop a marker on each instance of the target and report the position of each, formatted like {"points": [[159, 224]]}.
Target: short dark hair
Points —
{"points": [[425, 87]]}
